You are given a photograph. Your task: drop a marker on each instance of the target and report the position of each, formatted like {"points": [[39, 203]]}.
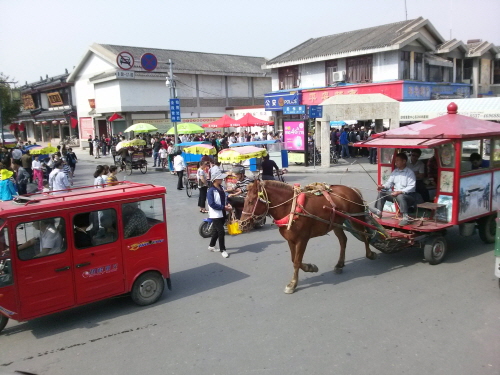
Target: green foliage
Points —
{"points": [[10, 108]]}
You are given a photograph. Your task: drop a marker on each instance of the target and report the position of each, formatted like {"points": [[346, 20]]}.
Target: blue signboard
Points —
{"points": [[276, 101], [433, 90], [149, 61], [175, 110], [315, 111], [294, 109]]}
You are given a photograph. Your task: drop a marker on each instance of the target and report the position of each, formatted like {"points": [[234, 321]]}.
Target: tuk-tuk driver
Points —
{"points": [[51, 241], [403, 180]]}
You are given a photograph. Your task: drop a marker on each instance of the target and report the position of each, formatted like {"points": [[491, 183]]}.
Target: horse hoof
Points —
{"points": [[289, 290], [373, 256], [338, 270], [314, 268]]}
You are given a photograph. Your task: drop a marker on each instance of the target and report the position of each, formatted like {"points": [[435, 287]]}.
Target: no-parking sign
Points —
{"points": [[125, 60], [149, 61]]}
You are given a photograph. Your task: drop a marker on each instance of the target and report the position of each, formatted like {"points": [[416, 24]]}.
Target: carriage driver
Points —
{"points": [[403, 180], [237, 195]]}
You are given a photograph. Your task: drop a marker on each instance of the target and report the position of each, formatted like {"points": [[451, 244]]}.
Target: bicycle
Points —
{"points": [[314, 158], [70, 141], [334, 157]]}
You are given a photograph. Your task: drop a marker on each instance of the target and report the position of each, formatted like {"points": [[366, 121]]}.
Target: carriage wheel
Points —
{"points": [[143, 168], [189, 189], [487, 229], [435, 249], [128, 168], [3, 322]]}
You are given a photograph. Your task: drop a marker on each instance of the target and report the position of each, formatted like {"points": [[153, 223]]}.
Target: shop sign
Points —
{"points": [[86, 127], [28, 102], [54, 99], [276, 101], [294, 134], [315, 111], [315, 97], [294, 109], [428, 91]]}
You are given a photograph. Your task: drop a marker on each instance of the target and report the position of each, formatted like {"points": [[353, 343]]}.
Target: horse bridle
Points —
{"points": [[261, 197]]}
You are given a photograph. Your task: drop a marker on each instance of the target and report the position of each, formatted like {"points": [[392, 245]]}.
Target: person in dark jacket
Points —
{"points": [[344, 143], [217, 208]]}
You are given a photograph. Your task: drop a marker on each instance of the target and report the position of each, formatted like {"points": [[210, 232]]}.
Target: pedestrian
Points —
{"points": [[99, 181], [104, 145], [91, 146], [7, 186], [202, 179], [37, 172], [112, 179], [58, 181], [344, 143], [71, 160], [113, 151], [163, 156], [156, 150], [67, 171], [179, 167], [97, 147], [26, 162], [217, 209], [267, 168], [22, 177]]}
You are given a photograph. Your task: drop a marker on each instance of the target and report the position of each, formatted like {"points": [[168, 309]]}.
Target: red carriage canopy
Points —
{"points": [[249, 120]]}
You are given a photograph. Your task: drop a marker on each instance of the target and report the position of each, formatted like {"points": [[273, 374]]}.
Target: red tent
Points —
{"points": [[249, 120], [224, 122]]}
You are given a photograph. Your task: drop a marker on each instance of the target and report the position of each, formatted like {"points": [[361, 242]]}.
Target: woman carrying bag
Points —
{"points": [[217, 208]]}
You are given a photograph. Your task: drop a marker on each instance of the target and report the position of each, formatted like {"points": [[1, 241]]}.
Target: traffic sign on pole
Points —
{"points": [[315, 111], [125, 60], [149, 61], [175, 110]]}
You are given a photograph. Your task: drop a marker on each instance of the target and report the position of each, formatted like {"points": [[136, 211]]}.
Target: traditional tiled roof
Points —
{"points": [[357, 40], [200, 62]]}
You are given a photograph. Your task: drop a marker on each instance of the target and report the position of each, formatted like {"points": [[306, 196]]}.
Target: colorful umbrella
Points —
{"points": [[187, 128], [133, 142], [141, 127], [201, 149], [44, 151], [249, 120], [239, 154], [224, 122]]}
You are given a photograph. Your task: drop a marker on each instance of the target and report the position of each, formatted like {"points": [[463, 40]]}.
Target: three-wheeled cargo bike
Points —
{"points": [[70, 248], [461, 192]]}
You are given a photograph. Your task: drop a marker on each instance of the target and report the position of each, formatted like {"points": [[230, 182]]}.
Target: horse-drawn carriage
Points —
{"points": [[465, 193]]}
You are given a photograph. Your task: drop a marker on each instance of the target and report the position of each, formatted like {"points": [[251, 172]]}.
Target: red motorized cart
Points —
{"points": [[64, 250], [461, 193]]}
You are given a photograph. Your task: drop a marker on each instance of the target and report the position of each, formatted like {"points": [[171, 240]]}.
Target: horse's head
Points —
{"points": [[256, 205]]}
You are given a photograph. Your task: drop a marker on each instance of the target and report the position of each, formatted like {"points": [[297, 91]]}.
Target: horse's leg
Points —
{"points": [[298, 250], [339, 232], [369, 253]]}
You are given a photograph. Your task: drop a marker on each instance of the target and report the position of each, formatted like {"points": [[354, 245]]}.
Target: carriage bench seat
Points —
{"points": [[432, 207]]}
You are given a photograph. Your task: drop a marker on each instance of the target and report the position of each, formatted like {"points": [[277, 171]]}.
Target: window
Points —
{"points": [[404, 65], [139, 217], [6, 277], [496, 72], [330, 68], [94, 228], [475, 154], [458, 69], [41, 238], [288, 77], [417, 66], [359, 69], [468, 69], [435, 73]]}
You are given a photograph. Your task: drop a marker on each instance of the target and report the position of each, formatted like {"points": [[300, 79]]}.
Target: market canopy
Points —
{"points": [[187, 128], [141, 127], [224, 122], [239, 154], [249, 120], [201, 149], [402, 142]]}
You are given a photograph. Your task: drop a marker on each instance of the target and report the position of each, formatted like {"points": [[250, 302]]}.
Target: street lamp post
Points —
{"points": [[173, 95]]}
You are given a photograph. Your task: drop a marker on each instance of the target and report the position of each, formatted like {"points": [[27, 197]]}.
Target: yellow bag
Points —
{"points": [[233, 228]]}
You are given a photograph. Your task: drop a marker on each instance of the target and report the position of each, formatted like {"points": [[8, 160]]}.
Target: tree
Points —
{"points": [[10, 107]]}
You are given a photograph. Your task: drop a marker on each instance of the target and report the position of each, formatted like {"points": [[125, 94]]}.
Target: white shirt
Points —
{"points": [[51, 239], [36, 165], [99, 181], [58, 181], [402, 180], [269, 137], [179, 163], [418, 167], [163, 153]]}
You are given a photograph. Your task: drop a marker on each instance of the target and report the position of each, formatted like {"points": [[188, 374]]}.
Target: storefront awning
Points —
{"points": [[403, 142]]}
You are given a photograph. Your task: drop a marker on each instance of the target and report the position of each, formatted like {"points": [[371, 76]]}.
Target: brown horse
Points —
{"points": [[312, 217]]}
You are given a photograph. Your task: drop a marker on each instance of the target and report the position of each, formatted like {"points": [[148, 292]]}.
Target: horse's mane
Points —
{"points": [[277, 185]]}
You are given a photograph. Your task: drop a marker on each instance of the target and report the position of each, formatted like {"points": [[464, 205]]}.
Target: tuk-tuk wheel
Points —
{"points": [[143, 168], [148, 288], [3, 322], [487, 229], [435, 249]]}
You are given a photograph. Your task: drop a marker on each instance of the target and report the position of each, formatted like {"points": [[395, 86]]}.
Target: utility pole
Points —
{"points": [[173, 95]]}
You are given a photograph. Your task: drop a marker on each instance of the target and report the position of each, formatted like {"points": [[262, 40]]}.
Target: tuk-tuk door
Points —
{"points": [[97, 254]]}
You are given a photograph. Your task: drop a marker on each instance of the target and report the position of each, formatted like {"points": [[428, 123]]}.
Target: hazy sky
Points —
{"points": [[39, 37]]}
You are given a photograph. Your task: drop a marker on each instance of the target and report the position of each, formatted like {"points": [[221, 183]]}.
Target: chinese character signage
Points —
{"points": [[175, 110], [126, 74], [315, 111], [294, 135], [294, 109], [54, 99], [276, 101], [28, 102]]}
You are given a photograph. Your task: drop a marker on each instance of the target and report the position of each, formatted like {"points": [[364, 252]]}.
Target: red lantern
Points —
{"points": [[55, 122], [62, 122], [21, 126], [37, 123], [44, 122]]}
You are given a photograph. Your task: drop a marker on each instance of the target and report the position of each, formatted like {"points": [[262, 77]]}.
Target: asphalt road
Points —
{"points": [[393, 315]]}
